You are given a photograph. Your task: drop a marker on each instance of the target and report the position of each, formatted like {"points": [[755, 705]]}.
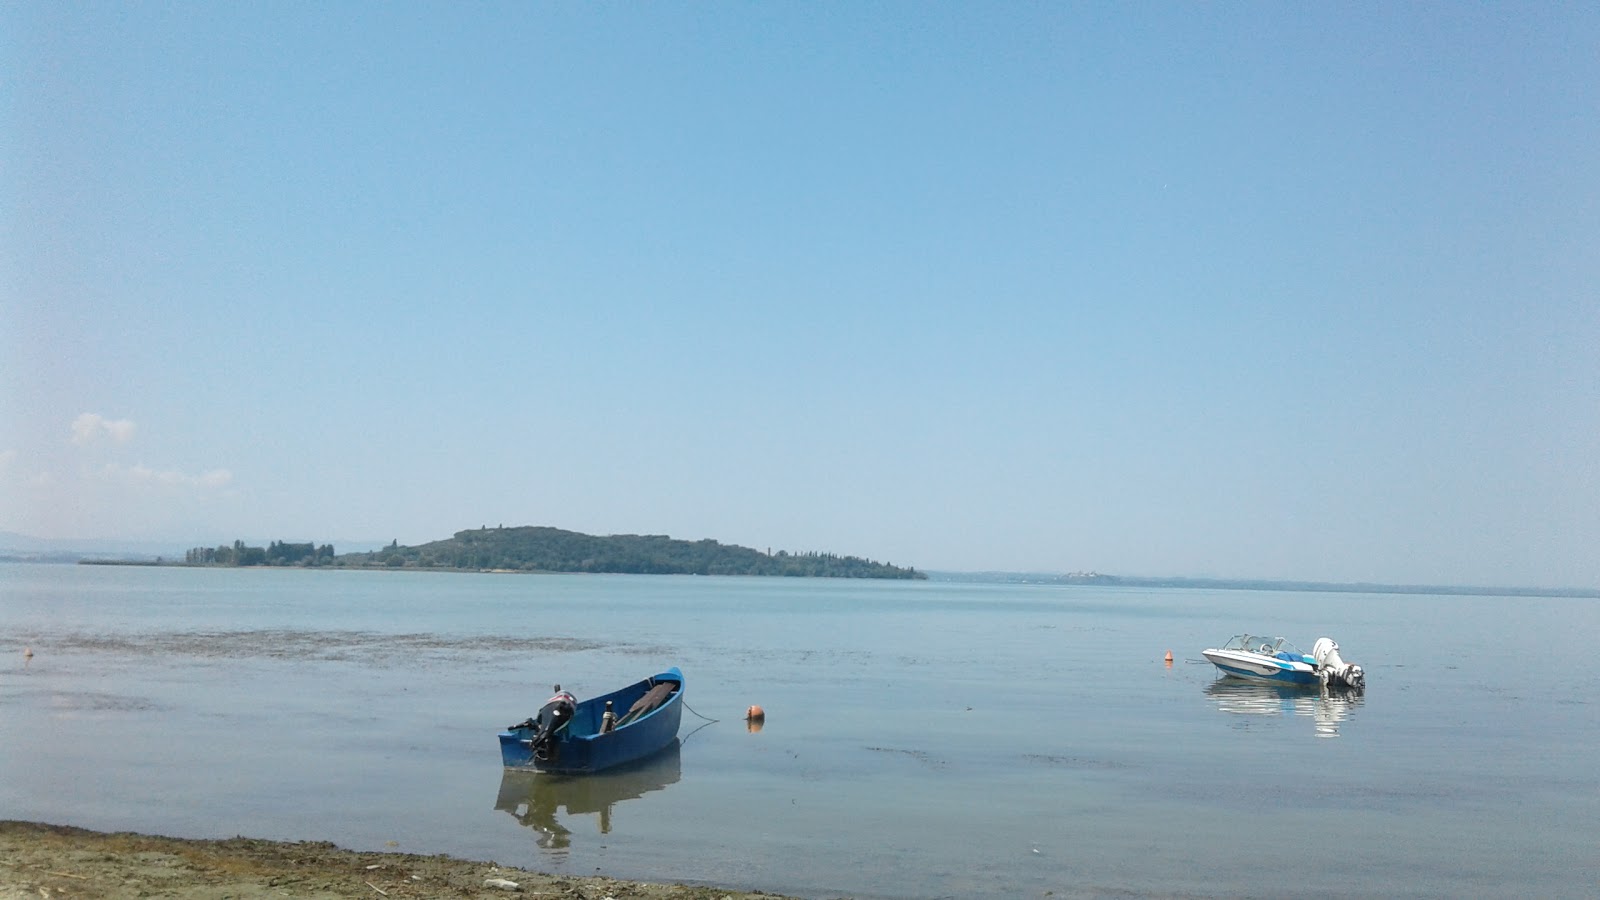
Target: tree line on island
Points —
{"points": [[277, 553], [545, 549]]}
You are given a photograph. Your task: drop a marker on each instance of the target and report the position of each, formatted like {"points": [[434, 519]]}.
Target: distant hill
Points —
{"points": [[543, 549]]}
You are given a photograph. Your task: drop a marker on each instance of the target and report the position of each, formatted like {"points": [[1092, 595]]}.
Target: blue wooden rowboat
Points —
{"points": [[567, 737]]}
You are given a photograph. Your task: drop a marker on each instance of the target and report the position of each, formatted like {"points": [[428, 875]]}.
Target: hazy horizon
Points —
{"points": [[1285, 293], [144, 549]]}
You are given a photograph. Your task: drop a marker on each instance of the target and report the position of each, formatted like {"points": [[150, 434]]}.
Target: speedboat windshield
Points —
{"points": [[1256, 643]]}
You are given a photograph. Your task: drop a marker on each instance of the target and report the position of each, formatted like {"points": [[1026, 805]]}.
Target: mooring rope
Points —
{"points": [[696, 712]]}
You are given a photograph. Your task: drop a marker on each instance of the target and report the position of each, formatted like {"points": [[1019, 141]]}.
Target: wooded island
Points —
{"points": [[543, 549]]}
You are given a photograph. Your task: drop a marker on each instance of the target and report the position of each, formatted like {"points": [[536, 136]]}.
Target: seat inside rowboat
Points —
{"points": [[652, 699]]}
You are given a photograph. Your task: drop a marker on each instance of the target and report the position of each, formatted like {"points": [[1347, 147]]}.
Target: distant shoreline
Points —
{"points": [[179, 564], [1083, 580], [1254, 584]]}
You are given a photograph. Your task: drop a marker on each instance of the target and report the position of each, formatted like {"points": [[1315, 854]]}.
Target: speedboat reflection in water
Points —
{"points": [[537, 799], [1327, 706]]}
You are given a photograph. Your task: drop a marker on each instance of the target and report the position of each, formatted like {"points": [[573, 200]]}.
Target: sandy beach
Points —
{"points": [[50, 861]]}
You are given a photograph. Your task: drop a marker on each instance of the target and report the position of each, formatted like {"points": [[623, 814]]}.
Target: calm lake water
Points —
{"points": [[923, 739]]}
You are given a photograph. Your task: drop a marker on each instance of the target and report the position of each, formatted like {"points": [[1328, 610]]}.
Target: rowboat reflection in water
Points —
{"points": [[539, 799], [1328, 706]]}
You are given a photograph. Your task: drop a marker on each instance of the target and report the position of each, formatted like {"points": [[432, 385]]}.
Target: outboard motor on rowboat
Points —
{"points": [[1332, 669], [553, 716]]}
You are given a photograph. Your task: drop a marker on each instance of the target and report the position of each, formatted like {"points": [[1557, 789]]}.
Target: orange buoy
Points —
{"points": [[754, 718], [755, 712], [1169, 656], [27, 653]]}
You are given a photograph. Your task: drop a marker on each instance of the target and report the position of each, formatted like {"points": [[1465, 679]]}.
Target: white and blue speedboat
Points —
{"points": [[1275, 659]]}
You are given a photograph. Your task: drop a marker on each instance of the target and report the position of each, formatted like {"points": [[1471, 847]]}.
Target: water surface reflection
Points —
{"points": [[1328, 707], [536, 799]]}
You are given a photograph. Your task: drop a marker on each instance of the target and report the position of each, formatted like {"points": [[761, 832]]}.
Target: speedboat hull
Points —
{"points": [[1259, 667]]}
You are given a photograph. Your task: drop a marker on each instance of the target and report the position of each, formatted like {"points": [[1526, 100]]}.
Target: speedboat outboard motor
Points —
{"points": [[1332, 669], [553, 716]]}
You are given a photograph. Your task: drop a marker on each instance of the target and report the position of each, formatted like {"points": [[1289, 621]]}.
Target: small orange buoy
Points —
{"points": [[27, 653], [1169, 656], [755, 712], [754, 718]]}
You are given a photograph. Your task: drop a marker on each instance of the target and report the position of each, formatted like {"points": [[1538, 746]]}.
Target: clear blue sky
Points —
{"points": [[1249, 290]]}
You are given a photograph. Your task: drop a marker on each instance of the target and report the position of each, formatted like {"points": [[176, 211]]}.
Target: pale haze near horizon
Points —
{"points": [[1252, 291]]}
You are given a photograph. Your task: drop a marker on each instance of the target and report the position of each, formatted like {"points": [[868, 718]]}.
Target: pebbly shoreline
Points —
{"points": [[58, 861]]}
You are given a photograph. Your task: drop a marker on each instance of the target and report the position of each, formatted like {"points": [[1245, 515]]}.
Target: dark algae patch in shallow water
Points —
{"points": [[50, 861], [366, 647]]}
